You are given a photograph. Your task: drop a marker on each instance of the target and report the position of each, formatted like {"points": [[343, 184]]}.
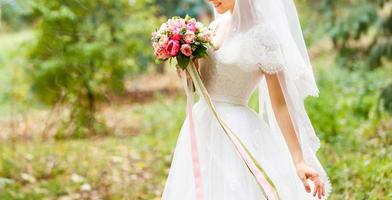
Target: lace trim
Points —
{"points": [[273, 68]]}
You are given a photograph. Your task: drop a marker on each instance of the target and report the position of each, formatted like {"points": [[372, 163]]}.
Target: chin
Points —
{"points": [[221, 11]]}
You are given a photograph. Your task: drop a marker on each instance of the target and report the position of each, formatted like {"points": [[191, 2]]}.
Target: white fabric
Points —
{"points": [[264, 38], [224, 175], [267, 33], [250, 16]]}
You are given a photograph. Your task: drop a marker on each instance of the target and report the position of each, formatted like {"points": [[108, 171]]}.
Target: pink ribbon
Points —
{"points": [[194, 150], [266, 187]]}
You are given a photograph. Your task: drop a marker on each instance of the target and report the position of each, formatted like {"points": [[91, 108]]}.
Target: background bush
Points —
{"points": [[64, 62], [83, 51]]}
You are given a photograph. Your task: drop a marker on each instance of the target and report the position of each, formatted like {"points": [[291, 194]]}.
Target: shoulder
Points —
{"points": [[265, 35], [213, 24], [262, 46]]}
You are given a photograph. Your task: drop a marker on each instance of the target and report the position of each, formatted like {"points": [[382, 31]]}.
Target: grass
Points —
{"points": [[135, 167], [355, 151], [108, 167]]}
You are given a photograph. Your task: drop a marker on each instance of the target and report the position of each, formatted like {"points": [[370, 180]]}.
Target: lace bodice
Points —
{"points": [[231, 83], [231, 74]]}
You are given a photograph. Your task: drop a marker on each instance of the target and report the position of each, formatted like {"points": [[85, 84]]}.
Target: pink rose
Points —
{"points": [[186, 50], [191, 26], [176, 36], [176, 24], [182, 22], [176, 31], [189, 37], [173, 47]]}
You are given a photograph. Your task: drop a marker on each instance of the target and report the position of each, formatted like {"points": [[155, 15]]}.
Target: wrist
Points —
{"points": [[299, 161]]}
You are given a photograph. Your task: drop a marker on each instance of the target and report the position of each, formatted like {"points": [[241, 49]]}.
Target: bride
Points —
{"points": [[258, 45]]}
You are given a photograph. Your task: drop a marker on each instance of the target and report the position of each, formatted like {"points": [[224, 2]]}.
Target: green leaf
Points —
{"points": [[183, 60], [200, 51]]}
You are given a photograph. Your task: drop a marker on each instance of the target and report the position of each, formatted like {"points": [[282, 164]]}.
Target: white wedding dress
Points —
{"points": [[224, 175]]}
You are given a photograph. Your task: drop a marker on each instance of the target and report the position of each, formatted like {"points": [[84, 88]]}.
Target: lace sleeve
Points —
{"points": [[258, 46], [264, 49]]}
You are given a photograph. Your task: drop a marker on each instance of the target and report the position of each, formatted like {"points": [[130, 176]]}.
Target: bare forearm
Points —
{"points": [[283, 118]]}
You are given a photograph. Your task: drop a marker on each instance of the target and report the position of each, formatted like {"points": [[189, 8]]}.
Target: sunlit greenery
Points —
{"points": [[360, 30], [72, 69], [83, 51]]}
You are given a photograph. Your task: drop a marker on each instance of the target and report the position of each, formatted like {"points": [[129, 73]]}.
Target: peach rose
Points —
{"points": [[205, 36], [162, 54], [186, 50], [189, 37]]}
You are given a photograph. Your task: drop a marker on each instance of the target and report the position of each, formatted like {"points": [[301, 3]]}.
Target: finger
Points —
{"points": [[180, 72], [307, 187], [316, 181], [319, 192], [320, 186], [316, 188], [306, 184]]}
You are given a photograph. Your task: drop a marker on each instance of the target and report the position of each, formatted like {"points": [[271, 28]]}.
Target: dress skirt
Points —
{"points": [[224, 175]]}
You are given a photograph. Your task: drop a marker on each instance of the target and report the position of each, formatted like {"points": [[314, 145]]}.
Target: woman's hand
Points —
{"points": [[304, 172], [188, 76], [196, 63]]}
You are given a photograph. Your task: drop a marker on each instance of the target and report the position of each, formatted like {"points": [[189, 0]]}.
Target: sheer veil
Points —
{"points": [[272, 38]]}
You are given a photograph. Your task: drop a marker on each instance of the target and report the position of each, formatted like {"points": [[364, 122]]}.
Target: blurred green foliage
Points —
{"points": [[15, 14], [14, 86], [347, 99], [356, 136], [193, 8], [84, 50], [386, 98], [360, 30]]}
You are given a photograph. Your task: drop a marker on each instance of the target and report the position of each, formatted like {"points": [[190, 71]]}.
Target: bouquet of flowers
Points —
{"points": [[183, 39]]}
